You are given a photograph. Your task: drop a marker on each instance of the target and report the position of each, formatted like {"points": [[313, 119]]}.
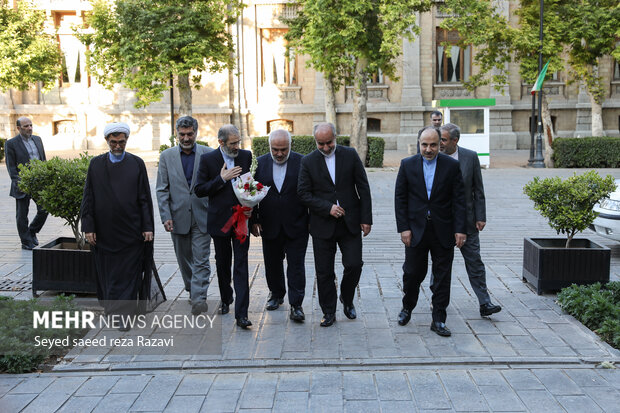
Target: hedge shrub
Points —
{"points": [[596, 306], [304, 144], [593, 152], [2, 142]]}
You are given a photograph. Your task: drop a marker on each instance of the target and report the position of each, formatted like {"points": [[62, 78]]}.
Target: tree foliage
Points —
{"points": [[27, 54], [141, 43], [568, 204], [57, 185]]}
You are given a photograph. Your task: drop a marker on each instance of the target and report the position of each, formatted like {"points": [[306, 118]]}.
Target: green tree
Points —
{"points": [[577, 34], [142, 43], [347, 40], [27, 54]]}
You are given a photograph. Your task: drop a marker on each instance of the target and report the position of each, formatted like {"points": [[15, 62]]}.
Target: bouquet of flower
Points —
{"points": [[249, 193]]}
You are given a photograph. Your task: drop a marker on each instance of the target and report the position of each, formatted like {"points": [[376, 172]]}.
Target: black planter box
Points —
{"points": [[60, 266], [549, 266]]}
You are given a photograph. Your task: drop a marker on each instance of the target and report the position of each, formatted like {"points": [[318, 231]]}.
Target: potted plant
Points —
{"points": [[554, 263], [64, 264]]}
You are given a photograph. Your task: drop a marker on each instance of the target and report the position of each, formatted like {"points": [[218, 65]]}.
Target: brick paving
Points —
{"points": [[529, 357]]}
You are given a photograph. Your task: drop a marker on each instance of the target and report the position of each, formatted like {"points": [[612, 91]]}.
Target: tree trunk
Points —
{"points": [[597, 117], [359, 139], [330, 100], [548, 132], [185, 95]]}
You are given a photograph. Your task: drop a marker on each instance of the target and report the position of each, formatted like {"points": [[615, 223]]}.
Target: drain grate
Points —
{"points": [[12, 285]]}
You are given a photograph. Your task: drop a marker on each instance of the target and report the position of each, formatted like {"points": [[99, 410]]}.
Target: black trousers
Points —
{"points": [[224, 249], [274, 252], [24, 230], [324, 256], [416, 266]]}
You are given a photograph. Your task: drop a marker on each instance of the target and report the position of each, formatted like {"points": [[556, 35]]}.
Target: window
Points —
{"points": [[373, 125], [616, 70], [276, 68], [72, 50], [457, 67], [375, 78]]}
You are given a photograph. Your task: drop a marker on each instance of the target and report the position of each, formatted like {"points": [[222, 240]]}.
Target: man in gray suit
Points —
{"points": [[20, 150], [183, 214], [476, 214]]}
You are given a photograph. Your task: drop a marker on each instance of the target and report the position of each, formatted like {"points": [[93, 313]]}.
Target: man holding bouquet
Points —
{"points": [[217, 172], [282, 221]]}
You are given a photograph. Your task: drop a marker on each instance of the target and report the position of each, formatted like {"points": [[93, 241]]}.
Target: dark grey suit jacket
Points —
{"points": [[17, 154], [474, 188]]}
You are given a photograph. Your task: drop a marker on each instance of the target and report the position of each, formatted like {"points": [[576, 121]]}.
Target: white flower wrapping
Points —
{"points": [[247, 190]]}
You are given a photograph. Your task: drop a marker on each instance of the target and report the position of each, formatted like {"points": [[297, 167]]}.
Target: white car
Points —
{"points": [[607, 223]]}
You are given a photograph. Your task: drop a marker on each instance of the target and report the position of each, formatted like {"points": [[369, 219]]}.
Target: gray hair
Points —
{"points": [[453, 131], [274, 134], [226, 131], [20, 119], [433, 128], [319, 125], [187, 122]]}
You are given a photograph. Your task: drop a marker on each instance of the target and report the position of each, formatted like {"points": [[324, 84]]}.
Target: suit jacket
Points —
{"points": [[221, 196], [17, 154], [474, 188], [446, 203], [280, 209], [317, 191], [177, 201]]}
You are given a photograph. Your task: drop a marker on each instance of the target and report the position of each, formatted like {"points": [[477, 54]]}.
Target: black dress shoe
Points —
{"points": [[297, 314], [404, 316], [328, 320], [349, 310], [224, 308], [488, 309], [33, 236], [274, 303], [201, 307], [243, 322], [441, 329]]}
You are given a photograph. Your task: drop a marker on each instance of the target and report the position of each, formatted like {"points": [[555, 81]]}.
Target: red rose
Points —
{"points": [[259, 186], [246, 187]]}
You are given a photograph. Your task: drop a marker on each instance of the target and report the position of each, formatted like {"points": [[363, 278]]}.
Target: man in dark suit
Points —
{"points": [[282, 221], [18, 151], [476, 214], [430, 216], [334, 186], [183, 214], [217, 172]]}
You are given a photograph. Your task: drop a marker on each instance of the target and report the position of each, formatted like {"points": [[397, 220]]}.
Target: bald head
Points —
{"points": [[429, 143], [280, 145], [24, 127], [325, 137]]}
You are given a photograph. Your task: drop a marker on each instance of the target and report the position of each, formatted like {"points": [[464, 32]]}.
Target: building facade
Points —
{"points": [[268, 90]]}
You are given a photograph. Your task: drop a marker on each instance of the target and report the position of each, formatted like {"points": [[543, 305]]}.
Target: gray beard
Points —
{"points": [[280, 163], [229, 153]]}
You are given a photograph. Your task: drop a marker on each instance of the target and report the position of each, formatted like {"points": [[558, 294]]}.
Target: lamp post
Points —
{"points": [[172, 108], [539, 160]]}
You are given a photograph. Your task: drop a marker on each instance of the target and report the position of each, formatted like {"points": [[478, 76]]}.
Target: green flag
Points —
{"points": [[541, 79]]}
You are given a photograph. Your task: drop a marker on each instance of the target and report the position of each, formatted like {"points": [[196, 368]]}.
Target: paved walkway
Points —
{"points": [[529, 357]]}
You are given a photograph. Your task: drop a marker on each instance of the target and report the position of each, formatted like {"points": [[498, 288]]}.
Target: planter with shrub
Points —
{"points": [[550, 264], [63, 264]]}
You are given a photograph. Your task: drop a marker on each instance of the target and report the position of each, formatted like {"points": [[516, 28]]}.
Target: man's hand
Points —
{"points": [[460, 239], [229, 174], [168, 225], [256, 230], [365, 229], [405, 237], [336, 211], [148, 236], [91, 237], [480, 225]]}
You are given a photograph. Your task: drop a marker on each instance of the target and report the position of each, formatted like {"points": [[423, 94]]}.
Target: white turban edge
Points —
{"points": [[118, 127]]}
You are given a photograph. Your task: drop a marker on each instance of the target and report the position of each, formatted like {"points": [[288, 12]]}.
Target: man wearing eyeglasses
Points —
{"points": [[216, 173], [117, 219]]}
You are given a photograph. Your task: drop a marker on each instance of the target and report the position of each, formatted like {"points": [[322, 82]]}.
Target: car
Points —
{"points": [[607, 223]]}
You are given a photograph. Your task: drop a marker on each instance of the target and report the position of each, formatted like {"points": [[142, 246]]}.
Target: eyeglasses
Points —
{"points": [[114, 143]]}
